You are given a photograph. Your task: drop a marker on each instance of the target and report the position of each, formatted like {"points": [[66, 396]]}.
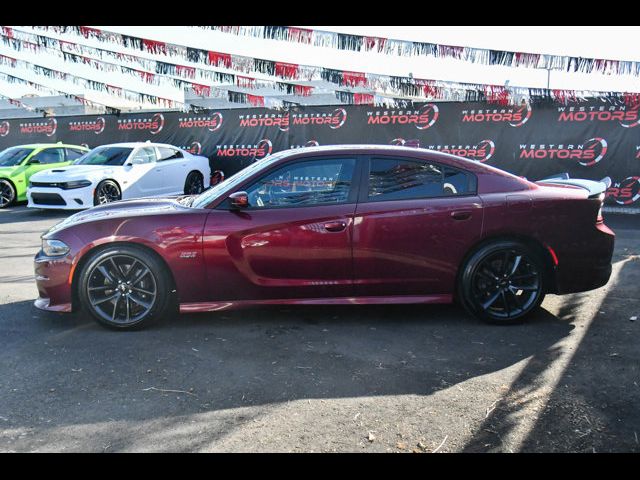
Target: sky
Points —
{"points": [[597, 41]]}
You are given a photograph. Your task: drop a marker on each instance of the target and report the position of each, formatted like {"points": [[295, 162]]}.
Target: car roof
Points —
{"points": [[45, 145], [138, 144]]}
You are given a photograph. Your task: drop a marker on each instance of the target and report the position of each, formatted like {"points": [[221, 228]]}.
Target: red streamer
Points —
{"points": [[154, 46], [286, 70], [354, 79], [202, 90], [255, 100], [363, 98], [216, 59]]}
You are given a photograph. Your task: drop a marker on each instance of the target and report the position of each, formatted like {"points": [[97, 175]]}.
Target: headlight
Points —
{"points": [[75, 184], [54, 248]]}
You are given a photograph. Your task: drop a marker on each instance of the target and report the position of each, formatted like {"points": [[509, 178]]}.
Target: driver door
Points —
{"points": [[294, 239]]}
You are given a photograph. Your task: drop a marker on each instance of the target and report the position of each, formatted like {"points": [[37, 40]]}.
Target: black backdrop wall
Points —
{"points": [[591, 140]]}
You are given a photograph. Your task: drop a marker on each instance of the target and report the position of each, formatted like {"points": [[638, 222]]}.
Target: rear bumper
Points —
{"points": [[588, 265]]}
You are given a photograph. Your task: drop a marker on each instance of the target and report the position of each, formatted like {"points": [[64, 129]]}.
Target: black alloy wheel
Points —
{"points": [[194, 184], [107, 192], [124, 288], [502, 282], [7, 193]]}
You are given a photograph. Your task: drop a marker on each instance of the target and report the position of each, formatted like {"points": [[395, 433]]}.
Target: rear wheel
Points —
{"points": [[194, 184], [502, 282], [125, 287], [107, 192], [7, 193]]}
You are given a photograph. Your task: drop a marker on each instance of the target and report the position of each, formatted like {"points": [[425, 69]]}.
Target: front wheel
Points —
{"points": [[7, 193], [107, 192], [502, 282], [125, 288]]}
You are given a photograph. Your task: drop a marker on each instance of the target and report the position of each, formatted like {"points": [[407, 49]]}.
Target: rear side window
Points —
{"points": [[50, 155], [74, 153], [168, 154], [402, 179]]}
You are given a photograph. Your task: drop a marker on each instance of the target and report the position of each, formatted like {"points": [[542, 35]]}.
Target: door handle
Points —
{"points": [[335, 226], [461, 214]]}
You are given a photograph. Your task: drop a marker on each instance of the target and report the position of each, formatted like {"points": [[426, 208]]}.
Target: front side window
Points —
{"points": [[303, 184], [112, 156], [401, 179], [50, 155], [14, 156]]}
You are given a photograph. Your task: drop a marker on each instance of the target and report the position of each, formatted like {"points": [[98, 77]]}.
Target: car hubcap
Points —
{"points": [[108, 193], [195, 185], [506, 284], [6, 194], [122, 289]]}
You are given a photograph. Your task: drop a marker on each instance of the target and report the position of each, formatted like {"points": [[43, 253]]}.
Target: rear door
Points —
{"points": [[294, 241], [174, 168], [414, 222]]}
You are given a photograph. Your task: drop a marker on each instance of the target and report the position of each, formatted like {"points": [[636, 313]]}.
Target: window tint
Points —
{"points": [[105, 156], [13, 156], [399, 179], [145, 155], [74, 154], [50, 155], [168, 154], [305, 184]]}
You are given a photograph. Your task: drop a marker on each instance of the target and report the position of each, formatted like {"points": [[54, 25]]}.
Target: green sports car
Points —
{"points": [[18, 163]]}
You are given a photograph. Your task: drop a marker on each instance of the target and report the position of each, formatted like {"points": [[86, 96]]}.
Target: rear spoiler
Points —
{"points": [[594, 187]]}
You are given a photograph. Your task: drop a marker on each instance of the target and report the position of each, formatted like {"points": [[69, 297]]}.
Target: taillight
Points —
{"points": [[600, 217]]}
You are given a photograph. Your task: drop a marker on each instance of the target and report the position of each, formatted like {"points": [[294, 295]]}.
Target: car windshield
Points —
{"points": [[208, 196], [13, 156], [105, 156]]}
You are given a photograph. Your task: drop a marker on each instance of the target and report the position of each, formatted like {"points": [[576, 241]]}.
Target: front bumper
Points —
{"points": [[57, 198], [53, 280]]}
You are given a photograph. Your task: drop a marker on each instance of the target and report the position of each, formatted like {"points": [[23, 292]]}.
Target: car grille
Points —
{"points": [[47, 199], [46, 185]]}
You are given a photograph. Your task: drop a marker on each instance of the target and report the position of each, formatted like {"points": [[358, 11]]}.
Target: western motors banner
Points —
{"points": [[588, 140]]}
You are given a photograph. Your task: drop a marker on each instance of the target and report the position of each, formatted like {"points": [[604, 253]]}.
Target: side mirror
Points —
{"points": [[239, 200], [33, 161], [132, 162]]}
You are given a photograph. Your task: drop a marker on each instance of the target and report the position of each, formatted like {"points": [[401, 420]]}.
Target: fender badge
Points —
{"points": [[188, 254]]}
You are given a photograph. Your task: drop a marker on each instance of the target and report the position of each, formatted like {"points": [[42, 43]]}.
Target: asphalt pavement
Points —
{"points": [[321, 379]]}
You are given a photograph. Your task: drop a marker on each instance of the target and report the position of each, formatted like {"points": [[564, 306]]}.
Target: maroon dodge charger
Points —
{"points": [[333, 225]]}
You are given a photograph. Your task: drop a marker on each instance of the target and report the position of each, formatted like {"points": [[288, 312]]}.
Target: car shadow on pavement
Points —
{"points": [[594, 405], [20, 214], [71, 382]]}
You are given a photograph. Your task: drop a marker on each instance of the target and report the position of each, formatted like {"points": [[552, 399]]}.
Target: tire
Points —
{"points": [[194, 184], [104, 292], [502, 282], [7, 193], [107, 191]]}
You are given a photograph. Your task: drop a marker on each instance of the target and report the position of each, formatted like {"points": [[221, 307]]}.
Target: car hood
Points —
{"points": [[122, 209], [74, 172]]}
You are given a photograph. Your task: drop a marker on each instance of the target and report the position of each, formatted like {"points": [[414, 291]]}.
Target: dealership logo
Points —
{"points": [[333, 120], [587, 154], [4, 128], [625, 192], [280, 120], [255, 152], [516, 117], [48, 127], [96, 126], [195, 148], [422, 118], [211, 122], [309, 143], [153, 125], [628, 118], [480, 152]]}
